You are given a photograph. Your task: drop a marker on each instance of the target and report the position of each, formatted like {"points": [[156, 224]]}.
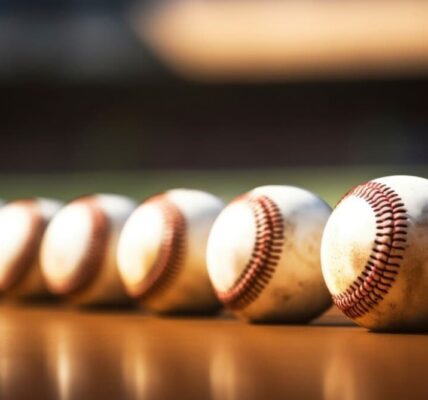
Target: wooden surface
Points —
{"points": [[47, 352]]}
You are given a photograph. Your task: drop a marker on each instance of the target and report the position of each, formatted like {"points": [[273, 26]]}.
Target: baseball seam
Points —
{"points": [[95, 253], [383, 265], [28, 255], [171, 253], [269, 240]]}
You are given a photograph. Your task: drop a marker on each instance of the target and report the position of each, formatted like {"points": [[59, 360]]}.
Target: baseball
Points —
{"points": [[22, 224], [161, 252], [375, 254], [78, 252], [263, 255]]}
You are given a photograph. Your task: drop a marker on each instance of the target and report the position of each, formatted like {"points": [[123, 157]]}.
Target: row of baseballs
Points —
{"points": [[274, 254]]}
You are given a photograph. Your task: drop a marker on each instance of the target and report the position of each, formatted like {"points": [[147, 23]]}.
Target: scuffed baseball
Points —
{"points": [[263, 255], [375, 254], [22, 224], [161, 252], [78, 252]]}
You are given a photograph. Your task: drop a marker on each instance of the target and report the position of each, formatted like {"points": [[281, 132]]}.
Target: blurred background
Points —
{"points": [[137, 96]]}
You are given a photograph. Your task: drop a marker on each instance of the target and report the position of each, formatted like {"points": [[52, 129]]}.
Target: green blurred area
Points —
{"points": [[329, 182]]}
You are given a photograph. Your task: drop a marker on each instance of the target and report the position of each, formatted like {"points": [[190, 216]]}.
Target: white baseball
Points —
{"points": [[375, 253], [78, 252], [22, 224], [161, 252], [263, 255]]}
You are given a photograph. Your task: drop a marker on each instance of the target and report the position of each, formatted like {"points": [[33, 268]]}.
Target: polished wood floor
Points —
{"points": [[48, 352]]}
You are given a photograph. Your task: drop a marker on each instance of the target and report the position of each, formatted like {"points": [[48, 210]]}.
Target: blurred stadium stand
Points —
{"points": [[81, 92], [71, 40]]}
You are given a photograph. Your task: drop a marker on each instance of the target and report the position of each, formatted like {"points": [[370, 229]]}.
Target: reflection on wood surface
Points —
{"points": [[63, 354]]}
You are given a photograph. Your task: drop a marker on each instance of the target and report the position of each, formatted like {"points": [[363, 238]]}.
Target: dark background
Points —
{"points": [[80, 92]]}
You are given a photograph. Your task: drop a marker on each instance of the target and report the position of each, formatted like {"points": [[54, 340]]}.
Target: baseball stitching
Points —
{"points": [[172, 249], [264, 259], [380, 272], [30, 248], [95, 253]]}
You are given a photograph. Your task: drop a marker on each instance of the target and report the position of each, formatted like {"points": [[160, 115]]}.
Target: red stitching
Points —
{"points": [[93, 259], [383, 265], [21, 265], [171, 253], [265, 257]]}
